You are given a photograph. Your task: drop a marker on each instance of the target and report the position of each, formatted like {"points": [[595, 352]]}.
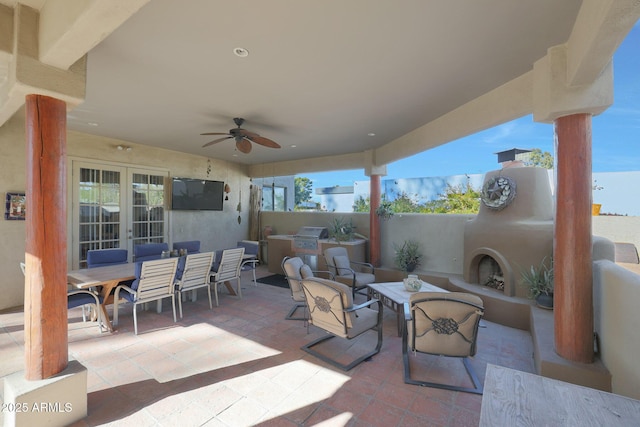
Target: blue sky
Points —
{"points": [[616, 135]]}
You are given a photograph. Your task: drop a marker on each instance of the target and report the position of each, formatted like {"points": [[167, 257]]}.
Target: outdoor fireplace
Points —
{"points": [[490, 274], [512, 231]]}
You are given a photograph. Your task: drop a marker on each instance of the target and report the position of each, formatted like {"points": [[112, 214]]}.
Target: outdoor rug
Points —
{"points": [[274, 280]]}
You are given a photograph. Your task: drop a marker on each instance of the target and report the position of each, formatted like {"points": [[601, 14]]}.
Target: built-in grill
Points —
{"points": [[305, 244]]}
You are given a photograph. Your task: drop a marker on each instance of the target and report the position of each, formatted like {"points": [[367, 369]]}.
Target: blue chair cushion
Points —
{"points": [[134, 285], [250, 248], [149, 251], [77, 300], [192, 246], [180, 268], [102, 257], [217, 257]]}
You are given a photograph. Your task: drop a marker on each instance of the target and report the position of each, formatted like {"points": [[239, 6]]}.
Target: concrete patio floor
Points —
{"points": [[241, 365]]}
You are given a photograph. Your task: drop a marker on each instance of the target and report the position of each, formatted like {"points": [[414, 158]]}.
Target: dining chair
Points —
{"points": [[250, 259], [103, 257], [355, 274], [81, 298], [149, 251], [330, 307], [154, 281], [194, 274], [295, 270], [442, 324], [229, 269]]}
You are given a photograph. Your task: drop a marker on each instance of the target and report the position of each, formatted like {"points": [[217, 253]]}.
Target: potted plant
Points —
{"points": [[540, 283], [407, 256], [341, 230], [384, 211]]}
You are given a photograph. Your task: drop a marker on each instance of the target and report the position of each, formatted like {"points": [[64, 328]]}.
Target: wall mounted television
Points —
{"points": [[190, 194]]}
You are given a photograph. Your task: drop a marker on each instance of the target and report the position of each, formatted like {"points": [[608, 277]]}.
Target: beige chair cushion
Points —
{"points": [[341, 261], [326, 300], [449, 322], [305, 272], [292, 269]]}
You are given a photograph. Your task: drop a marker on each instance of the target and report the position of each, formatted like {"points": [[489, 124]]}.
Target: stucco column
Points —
{"points": [[45, 302], [374, 220], [573, 295]]}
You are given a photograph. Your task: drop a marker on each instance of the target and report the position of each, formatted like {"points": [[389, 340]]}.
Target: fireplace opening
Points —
{"points": [[490, 274]]}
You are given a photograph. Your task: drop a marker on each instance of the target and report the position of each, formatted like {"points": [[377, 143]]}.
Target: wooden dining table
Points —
{"points": [[106, 279]]}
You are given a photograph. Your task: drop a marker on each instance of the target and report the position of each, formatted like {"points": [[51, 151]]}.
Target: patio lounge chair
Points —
{"points": [[443, 324], [352, 273], [331, 308], [295, 270]]}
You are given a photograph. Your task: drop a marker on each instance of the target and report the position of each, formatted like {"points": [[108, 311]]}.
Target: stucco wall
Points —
{"points": [[215, 230], [616, 292], [441, 236], [622, 229]]}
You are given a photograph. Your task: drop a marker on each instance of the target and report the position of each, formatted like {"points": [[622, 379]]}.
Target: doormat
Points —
{"points": [[275, 280]]}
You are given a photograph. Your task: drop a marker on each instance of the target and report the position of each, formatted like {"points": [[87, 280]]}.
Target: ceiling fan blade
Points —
{"points": [[216, 141], [215, 133], [264, 141], [243, 146]]}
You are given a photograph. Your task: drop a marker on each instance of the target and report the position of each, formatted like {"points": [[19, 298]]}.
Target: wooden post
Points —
{"points": [[573, 295], [374, 220], [45, 302]]}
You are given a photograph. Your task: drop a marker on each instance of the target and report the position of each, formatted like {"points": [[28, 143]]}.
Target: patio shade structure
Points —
{"points": [[566, 80]]}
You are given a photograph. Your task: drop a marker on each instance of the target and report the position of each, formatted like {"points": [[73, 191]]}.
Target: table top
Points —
{"points": [[396, 292], [88, 277], [516, 398]]}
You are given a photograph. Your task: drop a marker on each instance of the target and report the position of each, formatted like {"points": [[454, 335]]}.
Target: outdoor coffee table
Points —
{"points": [[393, 295]]}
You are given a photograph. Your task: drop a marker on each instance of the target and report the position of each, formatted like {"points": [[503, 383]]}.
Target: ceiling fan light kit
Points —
{"points": [[243, 138]]}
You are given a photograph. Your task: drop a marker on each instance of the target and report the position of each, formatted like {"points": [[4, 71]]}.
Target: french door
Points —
{"points": [[115, 207]]}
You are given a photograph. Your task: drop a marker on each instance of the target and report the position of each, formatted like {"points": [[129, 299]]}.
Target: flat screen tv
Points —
{"points": [[189, 194]]}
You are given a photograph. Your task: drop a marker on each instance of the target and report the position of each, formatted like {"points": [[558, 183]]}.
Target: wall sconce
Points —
{"points": [[123, 148], [227, 190]]}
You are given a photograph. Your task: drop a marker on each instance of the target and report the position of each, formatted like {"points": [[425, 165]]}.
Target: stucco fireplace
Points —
{"points": [[512, 231]]}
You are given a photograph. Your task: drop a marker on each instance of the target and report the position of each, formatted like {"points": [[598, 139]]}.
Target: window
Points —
{"points": [[273, 198]]}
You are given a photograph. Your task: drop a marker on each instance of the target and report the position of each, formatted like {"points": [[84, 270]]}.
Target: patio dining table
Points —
{"points": [[106, 278], [394, 295]]}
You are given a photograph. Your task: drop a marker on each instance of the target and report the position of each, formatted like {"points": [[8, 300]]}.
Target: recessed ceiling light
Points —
{"points": [[371, 134], [241, 52], [92, 123], [235, 155], [293, 146]]}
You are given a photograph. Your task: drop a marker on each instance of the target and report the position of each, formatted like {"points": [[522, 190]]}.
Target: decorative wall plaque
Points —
{"points": [[498, 192]]}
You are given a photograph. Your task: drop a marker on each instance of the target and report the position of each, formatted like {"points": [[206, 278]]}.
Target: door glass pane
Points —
{"points": [[99, 211], [147, 208]]}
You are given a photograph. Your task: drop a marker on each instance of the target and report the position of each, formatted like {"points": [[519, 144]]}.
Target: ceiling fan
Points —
{"points": [[243, 138]]}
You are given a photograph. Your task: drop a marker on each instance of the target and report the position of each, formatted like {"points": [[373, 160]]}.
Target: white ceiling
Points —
{"points": [[320, 75]]}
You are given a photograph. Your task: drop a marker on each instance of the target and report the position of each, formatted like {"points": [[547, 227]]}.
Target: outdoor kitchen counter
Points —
{"points": [[281, 245]]}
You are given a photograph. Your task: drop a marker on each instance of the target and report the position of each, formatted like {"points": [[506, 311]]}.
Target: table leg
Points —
{"points": [[107, 299], [227, 284]]}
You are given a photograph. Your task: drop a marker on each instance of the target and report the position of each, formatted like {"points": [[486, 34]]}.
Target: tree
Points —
{"points": [[456, 200], [538, 158], [303, 187], [362, 204]]}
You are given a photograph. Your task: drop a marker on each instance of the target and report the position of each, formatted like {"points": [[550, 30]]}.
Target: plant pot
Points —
{"points": [[411, 266], [545, 301]]}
